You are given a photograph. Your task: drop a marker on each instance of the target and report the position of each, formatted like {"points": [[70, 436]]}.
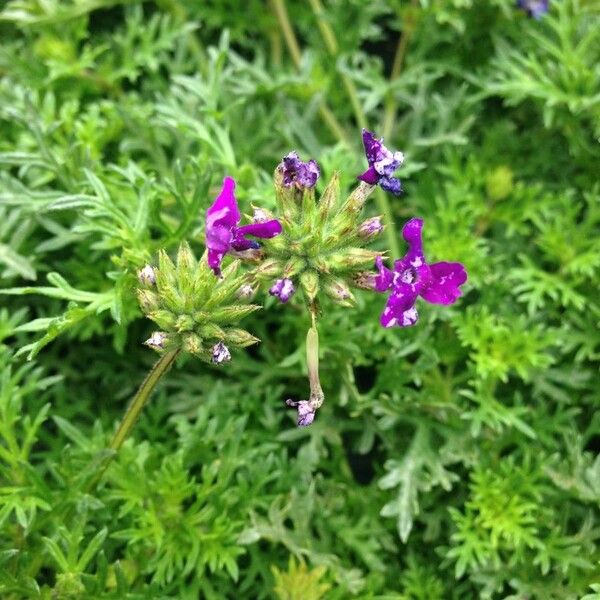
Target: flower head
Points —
{"points": [[437, 283], [534, 8], [223, 233], [382, 164], [297, 173], [283, 289]]}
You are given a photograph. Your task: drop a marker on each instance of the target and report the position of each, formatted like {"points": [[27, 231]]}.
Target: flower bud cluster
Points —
{"points": [[194, 310], [322, 245]]}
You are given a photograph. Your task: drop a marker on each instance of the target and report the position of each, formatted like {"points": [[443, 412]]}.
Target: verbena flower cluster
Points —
{"points": [[318, 247]]}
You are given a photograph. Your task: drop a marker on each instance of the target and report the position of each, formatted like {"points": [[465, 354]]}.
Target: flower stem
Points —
{"points": [[144, 392], [294, 49], [312, 362], [103, 460]]}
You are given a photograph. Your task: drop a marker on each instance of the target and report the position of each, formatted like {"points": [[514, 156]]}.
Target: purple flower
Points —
{"points": [[306, 411], [220, 353], [437, 283], [382, 164], [283, 289], [223, 233], [534, 8], [297, 173]]}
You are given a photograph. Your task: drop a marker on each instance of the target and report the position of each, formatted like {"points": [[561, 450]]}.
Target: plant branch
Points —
{"points": [[162, 365], [144, 392]]}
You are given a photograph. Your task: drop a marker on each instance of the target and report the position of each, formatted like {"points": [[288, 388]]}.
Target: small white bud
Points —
{"points": [[157, 341], [147, 276]]}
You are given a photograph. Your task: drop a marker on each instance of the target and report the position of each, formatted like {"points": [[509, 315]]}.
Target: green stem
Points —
{"points": [[132, 414], [144, 392], [294, 49], [312, 361]]}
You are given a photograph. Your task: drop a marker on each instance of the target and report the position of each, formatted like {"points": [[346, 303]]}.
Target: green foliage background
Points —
{"points": [[457, 459]]}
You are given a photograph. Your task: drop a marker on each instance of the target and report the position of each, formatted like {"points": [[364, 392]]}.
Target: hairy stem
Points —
{"points": [[144, 392], [294, 49], [131, 415]]}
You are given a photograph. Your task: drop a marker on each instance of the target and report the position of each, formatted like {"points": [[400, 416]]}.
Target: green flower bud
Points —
{"points": [[350, 259], [339, 292], [309, 280], [163, 318], [147, 300], [192, 343], [233, 313], [184, 323], [240, 338]]}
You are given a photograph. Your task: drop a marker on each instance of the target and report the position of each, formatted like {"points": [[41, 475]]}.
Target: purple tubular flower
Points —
{"points": [[437, 283], [382, 164], [223, 233], [306, 411], [297, 173], [283, 289], [534, 8]]}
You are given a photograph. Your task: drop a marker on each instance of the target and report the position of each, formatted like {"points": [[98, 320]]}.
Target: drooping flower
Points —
{"points": [[534, 8], [306, 411], [437, 283], [283, 289], [220, 353], [297, 173], [382, 164], [147, 276], [223, 233]]}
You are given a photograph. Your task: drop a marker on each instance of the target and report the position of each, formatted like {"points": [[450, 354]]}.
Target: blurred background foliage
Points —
{"points": [[457, 459]]}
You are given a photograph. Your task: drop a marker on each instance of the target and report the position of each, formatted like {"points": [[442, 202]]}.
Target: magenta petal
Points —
{"points": [[370, 176], [384, 279], [400, 307], [412, 231], [218, 238], [264, 230], [224, 210], [446, 278], [372, 146], [215, 259]]}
